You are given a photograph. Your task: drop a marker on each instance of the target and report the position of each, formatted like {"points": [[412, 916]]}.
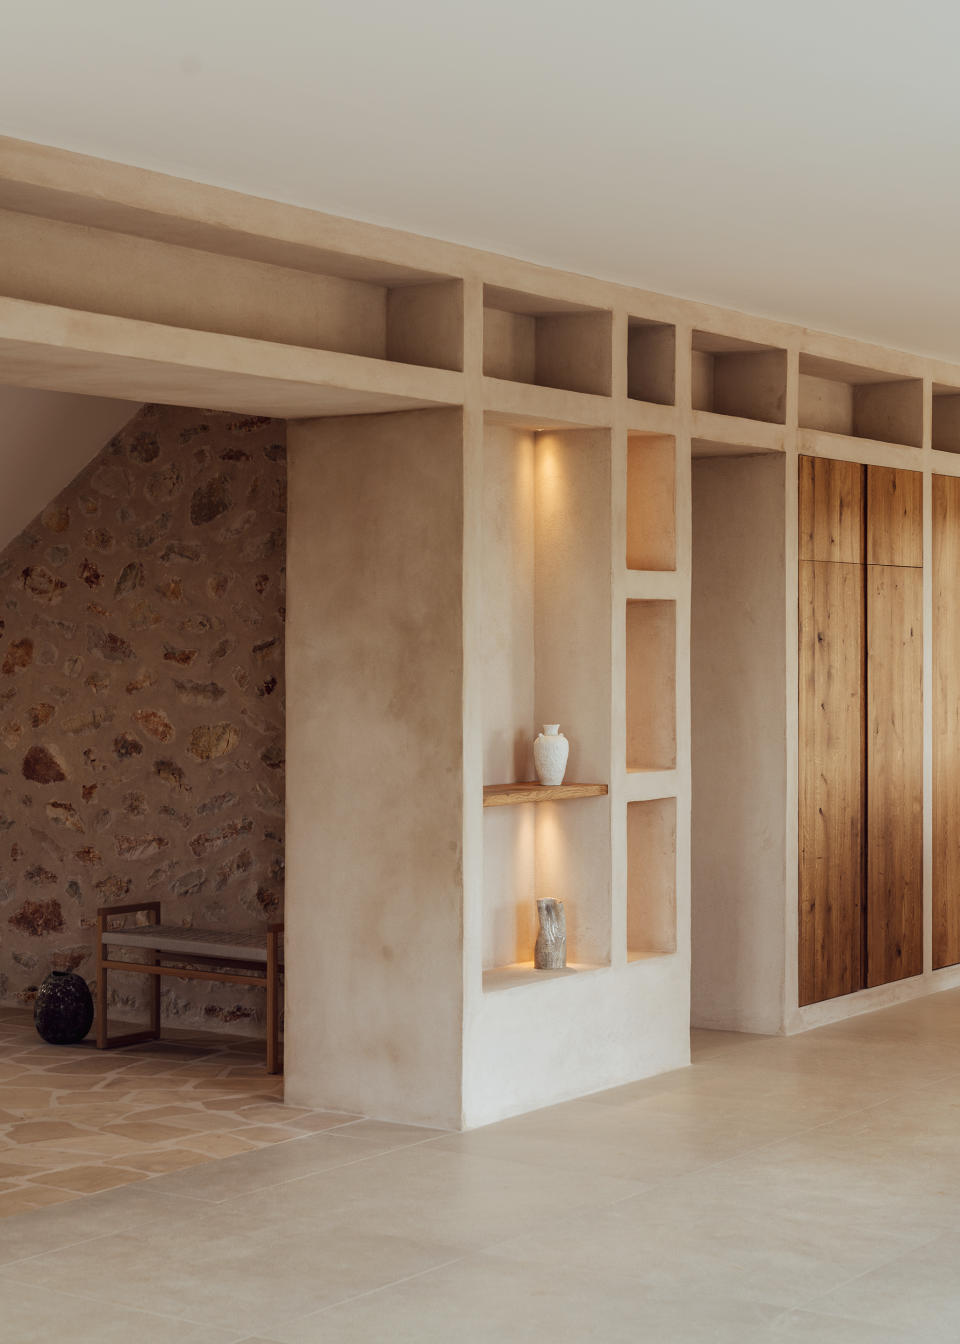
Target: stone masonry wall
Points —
{"points": [[141, 703]]}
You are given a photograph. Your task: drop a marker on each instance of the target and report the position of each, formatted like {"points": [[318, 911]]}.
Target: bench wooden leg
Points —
{"points": [[273, 1000], [152, 1032], [101, 987]]}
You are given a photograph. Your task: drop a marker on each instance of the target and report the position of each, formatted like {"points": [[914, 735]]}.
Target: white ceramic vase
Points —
{"points": [[550, 752]]}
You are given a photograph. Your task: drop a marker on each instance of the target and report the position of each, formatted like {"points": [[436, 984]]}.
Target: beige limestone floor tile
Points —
{"points": [[462, 1202], [40, 1316], [216, 1145], [86, 1180], [267, 1167], [31, 1197], [269, 1133], [479, 1300], [809, 1327], [227, 1272], [390, 1135], [315, 1121]]}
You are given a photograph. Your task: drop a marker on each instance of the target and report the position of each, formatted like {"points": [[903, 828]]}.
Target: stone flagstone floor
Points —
{"points": [[75, 1121]]}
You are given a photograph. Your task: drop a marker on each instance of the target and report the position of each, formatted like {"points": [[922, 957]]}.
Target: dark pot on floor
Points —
{"points": [[63, 1010]]}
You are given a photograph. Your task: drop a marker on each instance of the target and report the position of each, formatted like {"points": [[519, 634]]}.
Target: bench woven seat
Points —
{"points": [[250, 945]]}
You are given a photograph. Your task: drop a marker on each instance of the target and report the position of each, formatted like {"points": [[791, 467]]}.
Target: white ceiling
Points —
{"points": [[796, 160]]}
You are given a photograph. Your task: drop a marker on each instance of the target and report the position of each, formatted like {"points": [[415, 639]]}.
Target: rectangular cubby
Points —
{"points": [[545, 657], [842, 398], [736, 377], [651, 684], [651, 878], [651, 361], [946, 418], [546, 342], [651, 502]]}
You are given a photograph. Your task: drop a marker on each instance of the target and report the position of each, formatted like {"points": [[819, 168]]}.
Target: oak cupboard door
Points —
{"points": [[946, 721], [832, 656], [894, 772], [831, 510], [894, 517]]}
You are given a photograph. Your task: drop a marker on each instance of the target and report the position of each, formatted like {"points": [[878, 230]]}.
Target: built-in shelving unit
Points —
{"points": [[509, 795], [548, 342], [651, 361], [651, 699], [731, 376], [651, 502], [651, 878], [524, 973], [863, 403], [946, 418]]}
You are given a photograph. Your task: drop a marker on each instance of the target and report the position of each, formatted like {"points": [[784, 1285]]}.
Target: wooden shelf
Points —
{"points": [[66, 350], [505, 795]]}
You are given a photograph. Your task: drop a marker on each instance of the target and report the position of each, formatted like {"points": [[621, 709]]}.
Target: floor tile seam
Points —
{"points": [[371, 1292], [804, 1304]]}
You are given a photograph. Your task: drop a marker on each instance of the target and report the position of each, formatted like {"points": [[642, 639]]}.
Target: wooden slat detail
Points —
{"points": [[831, 510], [831, 779], [894, 773], [504, 795], [894, 517], [946, 721]]}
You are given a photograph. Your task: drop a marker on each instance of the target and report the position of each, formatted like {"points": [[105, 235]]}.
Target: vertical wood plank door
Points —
{"points": [[894, 516], [946, 721], [831, 510], [832, 656], [894, 832]]}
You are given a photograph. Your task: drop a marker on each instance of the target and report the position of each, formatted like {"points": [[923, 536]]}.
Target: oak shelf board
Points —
{"points": [[529, 406], [65, 350], [522, 974], [507, 795]]}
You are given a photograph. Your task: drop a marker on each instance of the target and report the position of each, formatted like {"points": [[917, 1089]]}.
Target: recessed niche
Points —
{"points": [[545, 655], [546, 342], [651, 502], [425, 324], [651, 878], [651, 361], [946, 418], [651, 684], [742, 378], [841, 398]]}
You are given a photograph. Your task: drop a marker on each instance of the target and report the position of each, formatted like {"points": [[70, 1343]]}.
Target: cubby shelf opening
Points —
{"points": [[651, 502], [651, 361], [651, 878], [546, 342], [841, 398], [651, 684], [737, 377], [946, 418], [700, 448]]}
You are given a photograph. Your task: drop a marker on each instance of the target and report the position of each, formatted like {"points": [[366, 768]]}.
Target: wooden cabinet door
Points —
{"points": [[894, 830], [832, 652], [946, 721]]}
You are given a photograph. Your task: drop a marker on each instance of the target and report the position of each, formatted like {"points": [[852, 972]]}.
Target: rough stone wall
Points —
{"points": [[141, 703]]}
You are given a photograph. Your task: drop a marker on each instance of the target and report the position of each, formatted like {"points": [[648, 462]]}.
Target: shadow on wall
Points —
{"points": [[141, 702]]}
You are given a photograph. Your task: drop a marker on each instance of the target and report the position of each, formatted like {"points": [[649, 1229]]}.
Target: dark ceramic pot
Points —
{"points": [[63, 1010]]}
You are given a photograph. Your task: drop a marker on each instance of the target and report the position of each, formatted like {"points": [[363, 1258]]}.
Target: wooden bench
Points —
{"points": [[197, 954]]}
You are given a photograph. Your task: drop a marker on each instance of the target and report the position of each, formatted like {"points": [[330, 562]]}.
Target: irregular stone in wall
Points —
{"points": [[242, 523], [39, 876], [272, 756], [267, 687], [143, 616], [58, 555], [38, 917], [208, 841], [145, 536], [267, 648], [189, 884], [199, 693], [88, 790], [88, 721], [56, 519], [144, 447], [111, 647], [135, 804], [210, 500], [17, 657], [183, 657], [40, 583], [40, 766], [156, 723], [140, 846], [100, 539], [143, 679], [172, 590], [89, 855], [65, 814], [74, 892], [212, 740], [180, 550], [126, 746], [90, 574], [131, 577], [210, 806], [171, 773], [221, 650], [164, 484]]}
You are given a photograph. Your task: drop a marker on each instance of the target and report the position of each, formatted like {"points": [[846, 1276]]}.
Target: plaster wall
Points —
{"points": [[374, 762], [45, 440], [738, 688]]}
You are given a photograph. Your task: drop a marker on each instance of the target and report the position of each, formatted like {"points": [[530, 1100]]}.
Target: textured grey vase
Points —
{"points": [[550, 953], [63, 1008]]}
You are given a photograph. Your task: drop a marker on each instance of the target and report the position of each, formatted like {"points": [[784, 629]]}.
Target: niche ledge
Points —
{"points": [[521, 974]]}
